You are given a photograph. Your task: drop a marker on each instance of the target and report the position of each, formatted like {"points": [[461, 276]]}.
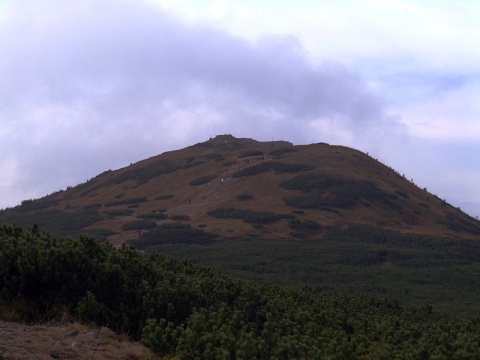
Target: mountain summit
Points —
{"points": [[235, 187]]}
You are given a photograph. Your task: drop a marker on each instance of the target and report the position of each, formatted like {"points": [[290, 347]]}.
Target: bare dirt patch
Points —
{"points": [[73, 341]]}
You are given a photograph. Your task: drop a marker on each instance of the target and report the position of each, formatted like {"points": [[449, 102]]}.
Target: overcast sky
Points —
{"points": [[92, 85]]}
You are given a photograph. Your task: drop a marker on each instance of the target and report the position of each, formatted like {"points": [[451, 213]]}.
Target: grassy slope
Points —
{"points": [[84, 206]]}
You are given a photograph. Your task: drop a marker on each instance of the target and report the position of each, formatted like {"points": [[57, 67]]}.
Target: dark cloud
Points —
{"points": [[92, 85]]}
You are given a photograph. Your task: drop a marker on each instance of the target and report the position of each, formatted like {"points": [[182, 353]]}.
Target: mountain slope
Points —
{"points": [[271, 189]]}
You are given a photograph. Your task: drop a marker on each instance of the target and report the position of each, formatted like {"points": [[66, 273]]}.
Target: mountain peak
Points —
{"points": [[225, 139], [243, 187]]}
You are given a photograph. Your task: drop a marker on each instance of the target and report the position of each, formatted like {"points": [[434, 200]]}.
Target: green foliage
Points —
{"points": [[229, 162], [37, 204], [67, 223], [139, 225], [134, 200], [215, 156], [201, 180], [100, 234], [119, 212], [402, 194], [159, 167], [278, 167], [412, 268], [281, 151], [183, 311], [164, 197], [160, 214], [306, 225], [93, 206], [463, 224], [244, 196], [248, 216], [172, 233], [180, 217], [250, 153], [334, 191]]}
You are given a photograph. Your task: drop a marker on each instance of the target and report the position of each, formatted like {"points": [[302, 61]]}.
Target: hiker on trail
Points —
{"points": [[222, 182]]}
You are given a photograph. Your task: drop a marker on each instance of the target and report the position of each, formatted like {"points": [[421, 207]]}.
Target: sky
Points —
{"points": [[92, 85]]}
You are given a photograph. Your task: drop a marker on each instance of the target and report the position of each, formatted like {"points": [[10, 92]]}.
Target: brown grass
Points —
{"points": [[196, 201]]}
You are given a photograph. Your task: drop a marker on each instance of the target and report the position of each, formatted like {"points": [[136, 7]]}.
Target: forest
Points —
{"points": [[180, 309], [356, 258]]}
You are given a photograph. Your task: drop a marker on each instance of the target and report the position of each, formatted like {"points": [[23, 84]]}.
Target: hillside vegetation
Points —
{"points": [[357, 259], [312, 251], [332, 185], [182, 310]]}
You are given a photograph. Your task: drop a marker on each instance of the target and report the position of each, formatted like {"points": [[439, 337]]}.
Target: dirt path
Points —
{"points": [[73, 341]]}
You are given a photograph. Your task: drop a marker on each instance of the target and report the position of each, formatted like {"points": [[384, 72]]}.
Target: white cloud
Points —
{"points": [[92, 85], [438, 33], [450, 115], [95, 85]]}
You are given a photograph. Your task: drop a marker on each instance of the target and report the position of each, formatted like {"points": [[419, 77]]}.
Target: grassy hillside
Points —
{"points": [[316, 184]]}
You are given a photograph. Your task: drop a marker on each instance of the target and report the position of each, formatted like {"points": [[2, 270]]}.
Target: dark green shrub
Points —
{"points": [[66, 223], [214, 156], [125, 201], [282, 151], [250, 153], [161, 214], [119, 212], [180, 217], [402, 194], [230, 162], [244, 196], [164, 197], [139, 225], [334, 191], [307, 225], [92, 206], [34, 205], [201, 180], [172, 233], [278, 167], [183, 311], [248, 216]]}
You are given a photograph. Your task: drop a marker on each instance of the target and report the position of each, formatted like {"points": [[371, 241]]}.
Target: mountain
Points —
{"points": [[239, 187], [315, 215]]}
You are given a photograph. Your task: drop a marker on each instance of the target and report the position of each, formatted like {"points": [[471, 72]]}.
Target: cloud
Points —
{"points": [[91, 85]]}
